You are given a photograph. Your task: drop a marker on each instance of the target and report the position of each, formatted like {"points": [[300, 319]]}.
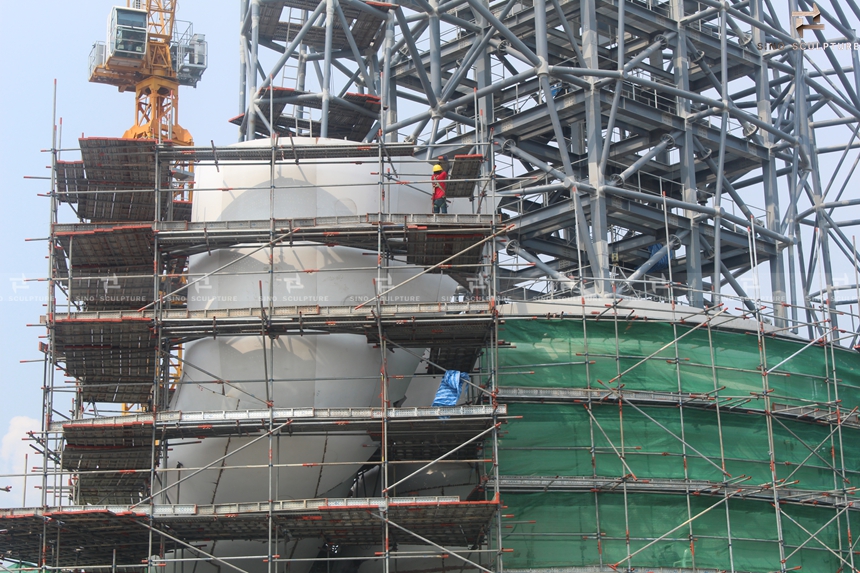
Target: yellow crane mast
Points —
{"points": [[147, 54], [144, 53]]}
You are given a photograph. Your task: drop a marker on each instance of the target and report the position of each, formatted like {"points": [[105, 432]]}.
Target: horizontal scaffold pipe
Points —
{"points": [[608, 484], [822, 413], [835, 148]]}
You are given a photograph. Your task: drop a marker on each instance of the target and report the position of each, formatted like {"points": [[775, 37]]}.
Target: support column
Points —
{"points": [[255, 45], [243, 65], [594, 135], [485, 115], [768, 170], [687, 161], [483, 75], [435, 49], [326, 87], [806, 137]]}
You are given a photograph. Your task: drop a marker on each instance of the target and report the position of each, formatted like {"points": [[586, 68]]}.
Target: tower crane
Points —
{"points": [[145, 53]]}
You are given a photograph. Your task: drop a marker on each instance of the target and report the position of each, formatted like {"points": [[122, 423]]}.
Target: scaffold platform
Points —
{"points": [[134, 430], [414, 325], [113, 353], [425, 239], [110, 456], [101, 529], [116, 289], [115, 181], [350, 117], [365, 27], [116, 474], [113, 360], [457, 358], [117, 246]]}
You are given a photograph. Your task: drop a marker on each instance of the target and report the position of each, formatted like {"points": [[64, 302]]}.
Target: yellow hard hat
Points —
{"points": [[437, 168]]}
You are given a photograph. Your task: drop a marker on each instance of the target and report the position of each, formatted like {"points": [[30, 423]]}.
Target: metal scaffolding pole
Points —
{"points": [[621, 168]]}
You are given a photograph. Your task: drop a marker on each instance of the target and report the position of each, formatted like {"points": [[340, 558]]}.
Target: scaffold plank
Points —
{"points": [[113, 360], [136, 430], [112, 392], [463, 176], [425, 239], [427, 248], [270, 14], [104, 453], [453, 358], [343, 121], [116, 289], [411, 324], [352, 521], [106, 474], [110, 487], [115, 181], [82, 458], [113, 353], [119, 246], [364, 27]]}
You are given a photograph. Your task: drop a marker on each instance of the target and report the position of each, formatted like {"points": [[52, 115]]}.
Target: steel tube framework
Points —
{"points": [[622, 161]]}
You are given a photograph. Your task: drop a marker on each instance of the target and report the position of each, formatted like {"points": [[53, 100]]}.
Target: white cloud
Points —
{"points": [[12, 450]]}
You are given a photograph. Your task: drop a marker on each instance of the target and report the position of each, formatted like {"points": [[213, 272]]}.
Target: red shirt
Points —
{"points": [[439, 185]]}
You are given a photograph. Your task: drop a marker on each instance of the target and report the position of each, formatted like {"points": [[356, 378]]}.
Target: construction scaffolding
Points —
{"points": [[613, 166]]}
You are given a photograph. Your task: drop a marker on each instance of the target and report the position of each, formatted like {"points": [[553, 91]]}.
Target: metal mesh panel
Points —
{"points": [[624, 426]]}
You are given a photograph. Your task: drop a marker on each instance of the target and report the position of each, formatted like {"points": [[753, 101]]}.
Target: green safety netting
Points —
{"points": [[561, 529], [557, 439], [552, 353]]}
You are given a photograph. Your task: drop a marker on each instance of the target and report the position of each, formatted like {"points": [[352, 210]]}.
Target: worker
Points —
{"points": [[440, 202]]}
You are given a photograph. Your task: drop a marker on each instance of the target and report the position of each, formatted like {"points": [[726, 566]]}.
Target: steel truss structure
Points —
{"points": [[629, 164], [695, 141], [600, 116]]}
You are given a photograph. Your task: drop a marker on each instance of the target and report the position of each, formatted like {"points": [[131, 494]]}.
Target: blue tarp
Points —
{"points": [[662, 263], [450, 388]]}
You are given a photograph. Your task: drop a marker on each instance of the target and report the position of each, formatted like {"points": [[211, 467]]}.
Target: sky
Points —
{"points": [[43, 42]]}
